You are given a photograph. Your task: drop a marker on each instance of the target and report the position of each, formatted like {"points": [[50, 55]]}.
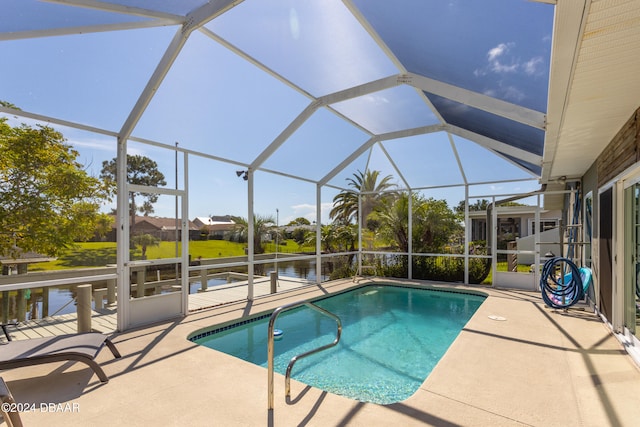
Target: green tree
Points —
{"points": [[141, 170], [104, 225], [262, 225], [47, 200], [433, 223], [394, 220], [299, 235], [299, 221], [374, 193], [335, 237], [8, 104], [327, 238], [479, 205], [144, 241]]}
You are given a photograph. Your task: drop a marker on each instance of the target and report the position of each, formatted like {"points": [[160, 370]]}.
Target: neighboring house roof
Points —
{"points": [[164, 224], [290, 228], [160, 223], [513, 210], [214, 222]]}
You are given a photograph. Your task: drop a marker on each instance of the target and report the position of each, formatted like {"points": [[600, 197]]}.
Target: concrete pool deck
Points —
{"points": [[537, 367]]}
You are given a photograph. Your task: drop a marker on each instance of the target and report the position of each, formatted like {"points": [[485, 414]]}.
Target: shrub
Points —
{"points": [[436, 268]]}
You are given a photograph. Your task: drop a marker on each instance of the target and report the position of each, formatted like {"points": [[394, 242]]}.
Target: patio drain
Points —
{"points": [[499, 318]]}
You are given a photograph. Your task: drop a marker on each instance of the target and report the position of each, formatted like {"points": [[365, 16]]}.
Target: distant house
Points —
{"points": [[161, 228], [517, 223], [513, 222], [215, 226]]}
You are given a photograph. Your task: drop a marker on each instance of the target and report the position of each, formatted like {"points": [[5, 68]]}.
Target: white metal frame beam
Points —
{"points": [[371, 141], [343, 164], [263, 67], [20, 35], [192, 21], [49, 119], [361, 90], [284, 135], [477, 100], [495, 145], [119, 8], [153, 84], [393, 164], [326, 100], [156, 19]]}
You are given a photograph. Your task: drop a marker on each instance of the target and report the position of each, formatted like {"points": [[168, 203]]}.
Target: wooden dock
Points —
{"points": [[105, 319], [223, 294]]}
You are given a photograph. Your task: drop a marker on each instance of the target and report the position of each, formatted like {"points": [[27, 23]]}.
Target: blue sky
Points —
{"points": [[214, 101]]}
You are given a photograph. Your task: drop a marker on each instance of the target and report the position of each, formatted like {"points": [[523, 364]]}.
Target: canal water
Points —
{"points": [[62, 299]]}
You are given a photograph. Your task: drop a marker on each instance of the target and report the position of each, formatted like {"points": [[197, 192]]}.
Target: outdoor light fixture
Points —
{"points": [[243, 174]]}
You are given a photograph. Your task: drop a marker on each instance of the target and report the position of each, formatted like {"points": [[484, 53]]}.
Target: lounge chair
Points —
{"points": [[9, 410], [79, 347]]}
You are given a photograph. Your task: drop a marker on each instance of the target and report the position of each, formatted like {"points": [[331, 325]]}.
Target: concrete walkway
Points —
{"points": [[537, 367]]}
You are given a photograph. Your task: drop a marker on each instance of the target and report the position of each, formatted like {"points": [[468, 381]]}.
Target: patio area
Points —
{"points": [[538, 367], [250, 108]]}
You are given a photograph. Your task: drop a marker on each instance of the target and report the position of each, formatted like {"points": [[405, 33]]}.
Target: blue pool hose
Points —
{"points": [[562, 288]]}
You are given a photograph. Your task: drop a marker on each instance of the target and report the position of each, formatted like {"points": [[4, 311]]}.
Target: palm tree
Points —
{"points": [[345, 203], [327, 238], [261, 225], [335, 237], [144, 241], [433, 224], [394, 220]]}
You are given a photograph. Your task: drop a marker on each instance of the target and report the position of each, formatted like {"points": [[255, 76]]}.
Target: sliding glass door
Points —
{"points": [[632, 259]]}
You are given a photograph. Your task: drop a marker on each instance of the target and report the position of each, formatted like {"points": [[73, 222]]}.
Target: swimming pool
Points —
{"points": [[392, 338]]}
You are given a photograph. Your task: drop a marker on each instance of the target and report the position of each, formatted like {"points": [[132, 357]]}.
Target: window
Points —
{"points": [[545, 225]]}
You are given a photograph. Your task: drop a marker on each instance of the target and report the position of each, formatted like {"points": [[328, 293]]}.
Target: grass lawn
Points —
{"points": [[502, 266], [99, 254], [89, 254]]}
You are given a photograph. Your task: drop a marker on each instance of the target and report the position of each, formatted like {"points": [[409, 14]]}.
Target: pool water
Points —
{"points": [[392, 338]]}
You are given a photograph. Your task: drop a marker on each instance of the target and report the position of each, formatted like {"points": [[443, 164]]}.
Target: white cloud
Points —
{"points": [[532, 66], [376, 99], [513, 93], [500, 61], [498, 67], [94, 144], [498, 51], [496, 58]]}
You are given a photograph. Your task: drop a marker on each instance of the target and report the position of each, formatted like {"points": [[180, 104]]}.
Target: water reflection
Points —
{"points": [[28, 304]]}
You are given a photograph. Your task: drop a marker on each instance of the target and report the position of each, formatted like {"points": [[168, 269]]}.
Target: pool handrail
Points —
{"points": [[294, 359]]}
